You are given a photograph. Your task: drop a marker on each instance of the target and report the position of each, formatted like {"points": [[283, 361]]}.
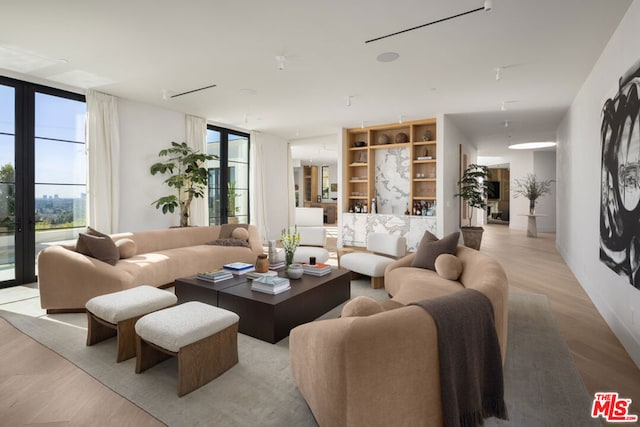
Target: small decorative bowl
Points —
{"points": [[295, 271], [359, 143]]}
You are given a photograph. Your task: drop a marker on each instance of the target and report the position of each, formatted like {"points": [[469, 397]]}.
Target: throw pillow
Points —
{"points": [[229, 242], [429, 250], [93, 232], [361, 306], [127, 248], [448, 266], [240, 233], [101, 248]]}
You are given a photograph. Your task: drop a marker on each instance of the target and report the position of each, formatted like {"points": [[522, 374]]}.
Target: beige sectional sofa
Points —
{"points": [[383, 369], [68, 279]]}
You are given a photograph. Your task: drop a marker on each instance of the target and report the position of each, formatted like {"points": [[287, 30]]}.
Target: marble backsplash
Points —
{"points": [[356, 227], [392, 184]]}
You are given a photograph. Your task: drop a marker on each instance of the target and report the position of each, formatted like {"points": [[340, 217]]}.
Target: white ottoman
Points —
{"points": [[203, 337], [303, 253], [116, 313]]}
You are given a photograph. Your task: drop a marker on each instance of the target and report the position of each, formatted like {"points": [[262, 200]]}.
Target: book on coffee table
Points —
{"points": [[215, 275], [256, 275], [239, 268], [318, 269], [271, 285]]}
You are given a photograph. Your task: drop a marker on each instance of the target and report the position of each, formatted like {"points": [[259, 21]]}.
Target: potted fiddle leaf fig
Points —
{"points": [[473, 190], [188, 175]]}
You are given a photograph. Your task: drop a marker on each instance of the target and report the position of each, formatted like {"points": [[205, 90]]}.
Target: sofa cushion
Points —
{"points": [[240, 233], [230, 242], [101, 248], [448, 266], [126, 247], [409, 284], [430, 249], [361, 306]]}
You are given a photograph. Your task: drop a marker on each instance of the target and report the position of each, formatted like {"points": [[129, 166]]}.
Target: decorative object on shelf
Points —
{"points": [[262, 264], [273, 252], [532, 189], [383, 139], [188, 176], [295, 271], [402, 138], [359, 144], [290, 241], [473, 190], [373, 206], [426, 136], [406, 211]]}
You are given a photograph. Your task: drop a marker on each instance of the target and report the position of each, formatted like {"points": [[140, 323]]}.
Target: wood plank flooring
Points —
{"points": [[39, 387], [534, 265]]}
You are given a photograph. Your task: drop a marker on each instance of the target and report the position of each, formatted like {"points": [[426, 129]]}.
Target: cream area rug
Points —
{"points": [[541, 384]]}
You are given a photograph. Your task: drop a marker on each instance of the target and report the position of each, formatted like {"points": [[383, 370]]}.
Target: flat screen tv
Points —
{"points": [[494, 190]]}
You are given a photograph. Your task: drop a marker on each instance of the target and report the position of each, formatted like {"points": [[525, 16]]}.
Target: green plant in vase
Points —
{"points": [[290, 241]]}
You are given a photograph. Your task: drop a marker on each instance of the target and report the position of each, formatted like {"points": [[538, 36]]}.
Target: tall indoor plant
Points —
{"points": [[473, 190], [187, 175], [532, 189]]}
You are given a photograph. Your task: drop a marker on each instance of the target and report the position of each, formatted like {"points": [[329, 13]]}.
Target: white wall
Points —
{"points": [[144, 130], [274, 150], [450, 138], [578, 187], [544, 166]]}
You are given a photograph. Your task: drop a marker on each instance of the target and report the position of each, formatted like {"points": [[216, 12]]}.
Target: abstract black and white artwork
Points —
{"points": [[620, 176]]}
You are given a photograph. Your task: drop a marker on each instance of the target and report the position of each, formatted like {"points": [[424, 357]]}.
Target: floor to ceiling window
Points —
{"points": [[228, 176], [42, 174]]}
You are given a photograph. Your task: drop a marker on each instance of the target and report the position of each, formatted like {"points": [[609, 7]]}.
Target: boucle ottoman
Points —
{"points": [[203, 337], [303, 253], [116, 314]]}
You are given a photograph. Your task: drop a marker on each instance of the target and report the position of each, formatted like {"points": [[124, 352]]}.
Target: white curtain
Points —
{"points": [[196, 134], [103, 149], [259, 189], [291, 191]]}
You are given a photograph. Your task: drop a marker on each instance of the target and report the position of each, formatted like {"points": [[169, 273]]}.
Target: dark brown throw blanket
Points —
{"points": [[470, 359]]}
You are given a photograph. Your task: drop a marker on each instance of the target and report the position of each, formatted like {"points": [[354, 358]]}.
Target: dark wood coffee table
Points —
{"points": [[270, 317]]}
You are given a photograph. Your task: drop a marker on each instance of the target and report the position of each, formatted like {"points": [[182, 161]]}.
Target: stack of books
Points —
{"points": [[316, 269], [215, 275], [239, 268], [256, 275], [424, 158], [270, 285], [276, 265]]}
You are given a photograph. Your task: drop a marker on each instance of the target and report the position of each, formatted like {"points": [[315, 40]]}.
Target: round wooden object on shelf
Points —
{"points": [[402, 138], [383, 139]]}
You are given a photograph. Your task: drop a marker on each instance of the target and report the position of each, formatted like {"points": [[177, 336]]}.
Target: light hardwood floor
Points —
{"points": [[38, 386], [534, 265]]}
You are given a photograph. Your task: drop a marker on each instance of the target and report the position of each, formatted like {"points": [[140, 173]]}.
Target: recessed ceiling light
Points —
{"points": [[531, 145], [388, 57]]}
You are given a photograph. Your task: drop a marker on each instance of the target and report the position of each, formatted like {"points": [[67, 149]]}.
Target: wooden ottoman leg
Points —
{"points": [[377, 282], [126, 339], [98, 330], [204, 360], [148, 355]]}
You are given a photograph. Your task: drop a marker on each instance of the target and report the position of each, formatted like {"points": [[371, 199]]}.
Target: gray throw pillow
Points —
{"points": [[229, 242], [101, 248], [430, 249]]}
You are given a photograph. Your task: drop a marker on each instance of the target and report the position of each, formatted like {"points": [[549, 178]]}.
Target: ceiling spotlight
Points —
{"points": [[387, 57], [347, 100], [498, 70], [488, 5], [503, 107], [506, 123], [280, 60], [400, 119], [165, 94], [531, 145]]}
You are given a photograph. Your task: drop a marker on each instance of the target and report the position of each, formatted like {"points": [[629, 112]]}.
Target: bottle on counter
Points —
{"points": [[364, 207], [373, 206], [406, 211]]}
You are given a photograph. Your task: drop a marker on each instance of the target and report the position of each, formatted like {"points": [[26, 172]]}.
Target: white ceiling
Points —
{"points": [[137, 49]]}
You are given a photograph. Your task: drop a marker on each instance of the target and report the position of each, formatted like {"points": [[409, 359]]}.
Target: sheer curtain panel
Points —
{"points": [[103, 149], [258, 186], [196, 134]]}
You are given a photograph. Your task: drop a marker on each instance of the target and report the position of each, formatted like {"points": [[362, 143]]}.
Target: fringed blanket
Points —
{"points": [[470, 359]]}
